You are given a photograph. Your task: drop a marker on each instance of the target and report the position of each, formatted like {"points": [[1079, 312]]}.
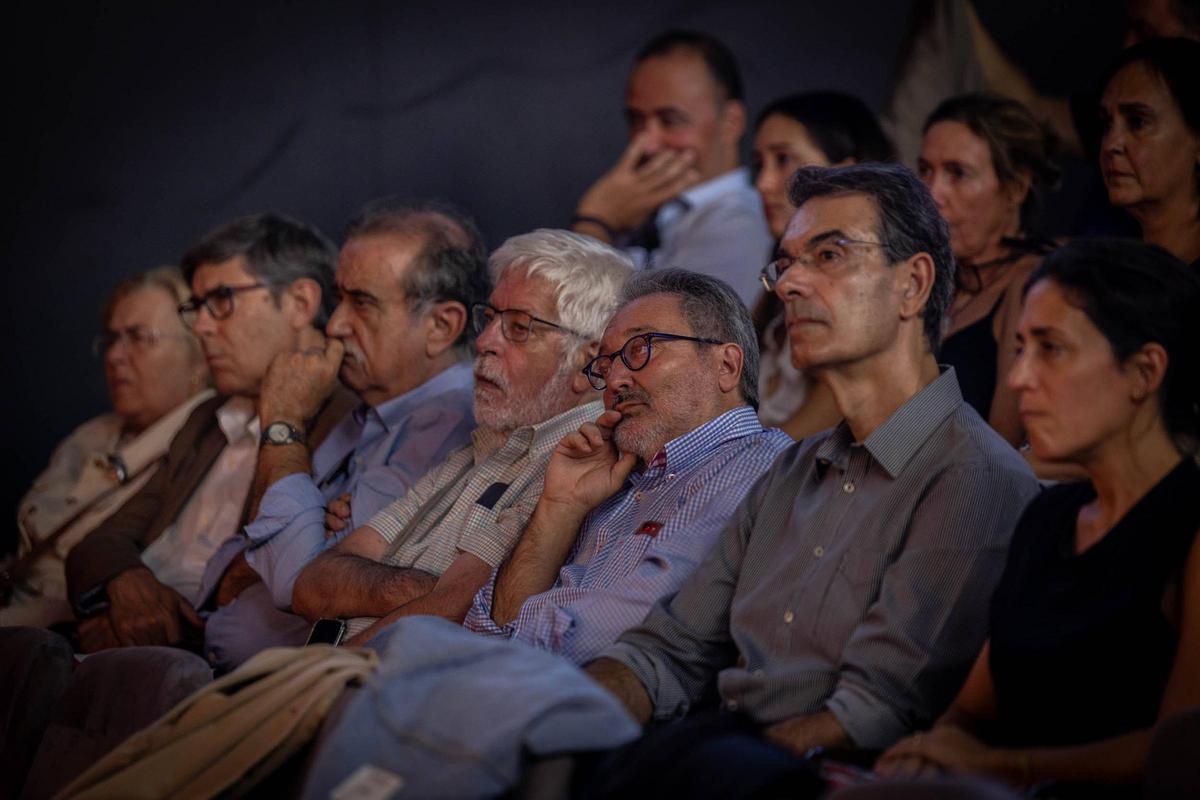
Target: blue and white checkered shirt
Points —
{"points": [[641, 543]]}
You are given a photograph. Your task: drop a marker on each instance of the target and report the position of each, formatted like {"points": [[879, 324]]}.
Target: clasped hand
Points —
{"points": [[299, 381], [142, 611]]}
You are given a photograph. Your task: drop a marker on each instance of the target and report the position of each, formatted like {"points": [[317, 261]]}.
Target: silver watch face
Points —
{"points": [[280, 433]]}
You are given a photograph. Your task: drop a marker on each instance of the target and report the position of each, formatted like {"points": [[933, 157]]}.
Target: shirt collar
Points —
{"points": [[897, 440], [702, 194], [237, 419], [684, 451], [392, 412]]}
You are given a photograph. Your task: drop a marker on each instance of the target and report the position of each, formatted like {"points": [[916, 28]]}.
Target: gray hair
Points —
{"points": [[452, 262], [909, 223], [713, 310], [278, 250], [166, 279], [587, 275]]}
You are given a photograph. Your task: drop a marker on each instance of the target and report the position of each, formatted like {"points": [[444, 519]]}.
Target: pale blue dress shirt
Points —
{"points": [[641, 543]]}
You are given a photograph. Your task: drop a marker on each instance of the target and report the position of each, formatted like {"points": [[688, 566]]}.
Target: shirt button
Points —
{"points": [[758, 673], [732, 705], [788, 616], [847, 487], [818, 551], [637, 496], [670, 476]]}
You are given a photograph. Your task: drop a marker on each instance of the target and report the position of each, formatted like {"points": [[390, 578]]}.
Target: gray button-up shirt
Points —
{"points": [[855, 577]]}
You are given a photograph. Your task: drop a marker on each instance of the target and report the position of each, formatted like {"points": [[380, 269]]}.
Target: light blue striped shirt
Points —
{"points": [[641, 543]]}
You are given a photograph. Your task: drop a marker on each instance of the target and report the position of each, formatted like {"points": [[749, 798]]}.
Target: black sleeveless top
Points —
{"points": [[1080, 647], [972, 353]]}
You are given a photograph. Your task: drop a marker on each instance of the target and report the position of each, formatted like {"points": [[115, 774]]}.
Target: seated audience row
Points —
{"points": [[354, 471]]}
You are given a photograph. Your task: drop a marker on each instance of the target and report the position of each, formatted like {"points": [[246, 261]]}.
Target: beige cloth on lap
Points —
{"points": [[232, 733]]}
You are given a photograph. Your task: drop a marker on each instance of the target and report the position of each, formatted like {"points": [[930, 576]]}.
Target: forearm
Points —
{"points": [[802, 733], [533, 566], [276, 462], [621, 682], [450, 598], [344, 585], [1120, 760]]}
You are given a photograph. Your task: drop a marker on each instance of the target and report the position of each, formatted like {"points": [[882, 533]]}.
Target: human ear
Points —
{"points": [[579, 382], [444, 323], [1018, 189], [304, 302], [917, 276], [733, 121], [1147, 368], [729, 372]]}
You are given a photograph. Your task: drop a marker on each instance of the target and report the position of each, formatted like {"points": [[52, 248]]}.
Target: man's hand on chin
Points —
{"points": [[625, 196], [298, 382]]}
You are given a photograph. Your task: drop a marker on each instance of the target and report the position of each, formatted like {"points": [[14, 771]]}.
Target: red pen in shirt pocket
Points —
{"points": [[650, 528]]}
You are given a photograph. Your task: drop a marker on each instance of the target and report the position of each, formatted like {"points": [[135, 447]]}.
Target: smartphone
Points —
{"points": [[327, 631]]}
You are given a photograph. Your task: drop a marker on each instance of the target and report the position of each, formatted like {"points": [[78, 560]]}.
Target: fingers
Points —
{"points": [[310, 339], [633, 153], [622, 468], [607, 421], [337, 515], [334, 349], [664, 169]]}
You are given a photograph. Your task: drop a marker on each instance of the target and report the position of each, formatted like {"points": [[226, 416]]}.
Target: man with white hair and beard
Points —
{"points": [[633, 502], [429, 552]]}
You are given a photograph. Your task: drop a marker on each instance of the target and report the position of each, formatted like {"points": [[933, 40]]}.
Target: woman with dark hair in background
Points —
{"points": [[1095, 625], [986, 159], [1150, 145], [156, 375], [801, 130]]}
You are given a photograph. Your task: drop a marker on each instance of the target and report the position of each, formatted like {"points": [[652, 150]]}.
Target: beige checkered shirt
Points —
{"points": [[470, 506]]}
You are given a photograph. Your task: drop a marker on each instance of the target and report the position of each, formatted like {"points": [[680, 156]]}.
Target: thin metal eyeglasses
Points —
{"points": [[515, 324], [218, 301], [138, 338], [634, 354], [825, 255]]}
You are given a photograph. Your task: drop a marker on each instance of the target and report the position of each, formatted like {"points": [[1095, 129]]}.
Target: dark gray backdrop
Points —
{"points": [[134, 129], [131, 130]]}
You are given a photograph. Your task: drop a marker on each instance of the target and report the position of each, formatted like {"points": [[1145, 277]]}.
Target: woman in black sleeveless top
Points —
{"points": [[986, 160], [1095, 626]]}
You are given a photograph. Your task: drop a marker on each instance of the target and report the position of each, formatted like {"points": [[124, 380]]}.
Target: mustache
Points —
{"points": [[630, 395], [489, 370]]}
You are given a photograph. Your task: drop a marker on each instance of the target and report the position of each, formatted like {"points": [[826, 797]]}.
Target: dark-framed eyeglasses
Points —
{"points": [[634, 354], [138, 338], [826, 256], [218, 301], [514, 323]]}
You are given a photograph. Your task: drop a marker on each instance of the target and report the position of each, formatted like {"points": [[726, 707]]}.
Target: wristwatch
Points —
{"points": [[282, 433]]}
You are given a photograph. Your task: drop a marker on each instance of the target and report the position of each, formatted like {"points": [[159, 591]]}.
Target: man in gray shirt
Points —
{"points": [[845, 603]]}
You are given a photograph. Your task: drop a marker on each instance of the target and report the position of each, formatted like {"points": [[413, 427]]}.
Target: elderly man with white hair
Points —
{"points": [[429, 552]]}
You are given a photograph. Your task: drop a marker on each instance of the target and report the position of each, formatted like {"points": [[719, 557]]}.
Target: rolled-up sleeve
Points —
{"points": [[912, 651], [287, 534]]}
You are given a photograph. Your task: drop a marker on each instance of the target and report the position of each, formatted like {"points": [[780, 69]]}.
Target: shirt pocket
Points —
{"points": [[852, 590]]}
